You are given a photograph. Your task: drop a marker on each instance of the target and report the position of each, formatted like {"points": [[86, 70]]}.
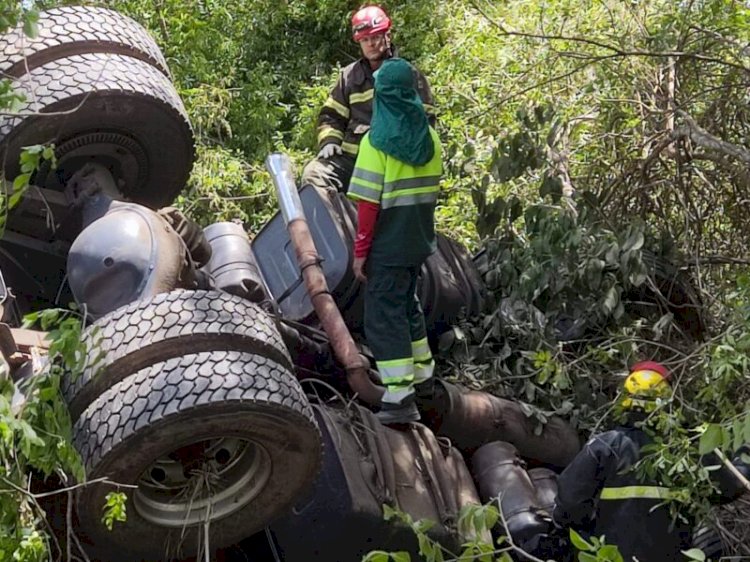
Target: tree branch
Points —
{"points": [[616, 51], [704, 139], [716, 260]]}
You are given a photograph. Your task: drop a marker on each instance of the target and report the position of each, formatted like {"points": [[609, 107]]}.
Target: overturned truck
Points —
{"points": [[229, 390]]}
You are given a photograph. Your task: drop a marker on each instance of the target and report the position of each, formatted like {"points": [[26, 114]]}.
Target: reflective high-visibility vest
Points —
{"points": [[636, 492], [407, 195]]}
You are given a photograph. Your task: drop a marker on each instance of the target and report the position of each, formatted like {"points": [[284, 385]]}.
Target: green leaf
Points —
{"points": [[594, 269], [746, 428], [114, 509], [49, 152], [586, 557], [30, 21], [14, 199], [30, 28], [711, 439], [21, 181], [610, 553], [400, 557], [695, 554], [738, 437], [579, 542], [634, 241], [492, 515], [376, 556], [612, 257], [611, 300], [423, 525], [388, 512]]}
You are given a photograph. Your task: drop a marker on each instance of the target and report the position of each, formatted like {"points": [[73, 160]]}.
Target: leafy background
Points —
{"points": [[596, 161]]}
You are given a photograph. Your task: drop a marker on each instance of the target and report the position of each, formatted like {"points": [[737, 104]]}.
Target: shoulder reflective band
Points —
{"points": [[361, 97], [634, 492], [339, 108], [350, 148]]}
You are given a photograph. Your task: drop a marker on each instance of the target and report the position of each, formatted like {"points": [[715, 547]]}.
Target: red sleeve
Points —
{"points": [[367, 214]]}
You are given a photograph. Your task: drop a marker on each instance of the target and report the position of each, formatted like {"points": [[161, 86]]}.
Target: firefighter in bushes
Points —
{"points": [[396, 183], [347, 112], [599, 492]]}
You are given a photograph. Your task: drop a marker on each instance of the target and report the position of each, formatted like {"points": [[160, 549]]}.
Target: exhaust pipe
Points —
{"points": [[470, 419], [356, 366]]}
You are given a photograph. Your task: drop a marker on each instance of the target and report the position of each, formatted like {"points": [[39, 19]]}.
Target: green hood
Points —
{"points": [[399, 124]]}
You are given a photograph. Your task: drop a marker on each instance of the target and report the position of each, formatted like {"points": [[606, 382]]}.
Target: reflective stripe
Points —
{"points": [[634, 492], [359, 98], [329, 131], [368, 176], [350, 147], [418, 198], [420, 350], [423, 371], [396, 395], [358, 190], [396, 371], [408, 183], [338, 107], [396, 362]]}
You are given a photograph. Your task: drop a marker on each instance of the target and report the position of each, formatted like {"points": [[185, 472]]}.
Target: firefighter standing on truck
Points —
{"points": [[599, 493], [396, 181], [347, 112]]}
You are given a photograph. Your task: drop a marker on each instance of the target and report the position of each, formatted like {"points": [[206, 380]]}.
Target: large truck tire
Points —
{"points": [[169, 325], [110, 109], [76, 30], [216, 442]]}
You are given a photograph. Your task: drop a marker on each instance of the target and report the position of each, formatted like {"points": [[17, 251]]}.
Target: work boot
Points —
{"points": [[393, 414]]}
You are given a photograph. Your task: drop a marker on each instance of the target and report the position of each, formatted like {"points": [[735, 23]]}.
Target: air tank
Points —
{"points": [[232, 265]]}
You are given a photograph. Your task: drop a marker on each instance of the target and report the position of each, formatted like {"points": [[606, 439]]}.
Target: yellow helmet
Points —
{"points": [[647, 381]]}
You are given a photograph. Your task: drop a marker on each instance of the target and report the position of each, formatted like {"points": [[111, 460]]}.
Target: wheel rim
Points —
{"points": [[122, 155], [202, 482]]}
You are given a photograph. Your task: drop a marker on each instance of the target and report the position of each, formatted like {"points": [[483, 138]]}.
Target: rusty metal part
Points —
{"points": [[471, 419], [447, 468], [17, 344], [366, 465], [545, 482], [500, 475], [356, 366]]}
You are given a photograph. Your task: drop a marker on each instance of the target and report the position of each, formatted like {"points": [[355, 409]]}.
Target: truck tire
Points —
{"points": [[75, 30], [169, 325], [224, 437], [110, 109]]}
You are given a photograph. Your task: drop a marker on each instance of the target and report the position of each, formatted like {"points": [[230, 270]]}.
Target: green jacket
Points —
{"points": [[347, 112], [407, 195]]}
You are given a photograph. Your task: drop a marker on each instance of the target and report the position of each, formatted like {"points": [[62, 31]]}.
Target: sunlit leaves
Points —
{"points": [[115, 509]]}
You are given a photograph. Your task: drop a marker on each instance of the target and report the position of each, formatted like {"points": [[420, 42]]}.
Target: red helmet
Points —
{"points": [[370, 20], [652, 366]]}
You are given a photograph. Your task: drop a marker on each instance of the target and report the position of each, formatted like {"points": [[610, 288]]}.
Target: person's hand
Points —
{"points": [[359, 269], [329, 150]]}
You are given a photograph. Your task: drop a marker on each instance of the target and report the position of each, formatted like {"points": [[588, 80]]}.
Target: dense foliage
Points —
{"points": [[596, 156]]}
